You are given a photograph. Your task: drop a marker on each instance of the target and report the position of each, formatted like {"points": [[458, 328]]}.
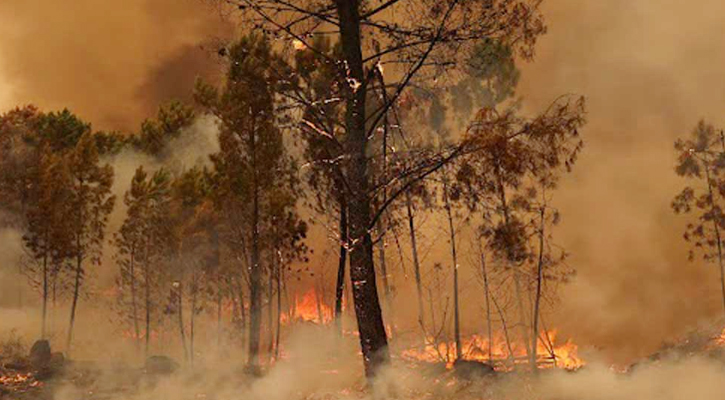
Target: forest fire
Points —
{"points": [[349, 200], [503, 354], [309, 308], [19, 382]]}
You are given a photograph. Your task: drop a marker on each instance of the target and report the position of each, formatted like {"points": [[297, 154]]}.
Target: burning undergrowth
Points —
{"points": [[317, 363]]}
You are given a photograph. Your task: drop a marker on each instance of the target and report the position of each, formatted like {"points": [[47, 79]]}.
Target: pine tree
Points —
{"points": [[46, 235], [252, 168], [702, 158], [90, 204]]}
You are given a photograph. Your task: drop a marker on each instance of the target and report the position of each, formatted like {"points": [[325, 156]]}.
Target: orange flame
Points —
{"points": [[309, 308], [476, 348]]}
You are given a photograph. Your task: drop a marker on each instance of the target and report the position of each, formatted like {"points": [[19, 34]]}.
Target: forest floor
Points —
{"points": [[410, 380]]}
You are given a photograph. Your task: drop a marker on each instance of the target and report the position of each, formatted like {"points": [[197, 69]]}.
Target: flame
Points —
{"points": [[298, 45], [476, 348], [19, 382], [309, 308], [720, 340], [129, 334]]}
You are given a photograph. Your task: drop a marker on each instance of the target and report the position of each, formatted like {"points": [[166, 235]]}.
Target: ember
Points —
{"points": [[18, 382]]}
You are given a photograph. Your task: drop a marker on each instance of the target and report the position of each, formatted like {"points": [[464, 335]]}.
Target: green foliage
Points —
{"points": [[168, 124], [90, 201], [62, 130]]}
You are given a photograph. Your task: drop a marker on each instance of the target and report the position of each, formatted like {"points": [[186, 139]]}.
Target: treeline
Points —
{"points": [[306, 122]]}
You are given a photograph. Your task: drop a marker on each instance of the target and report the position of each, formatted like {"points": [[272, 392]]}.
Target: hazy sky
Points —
{"points": [[648, 68]]}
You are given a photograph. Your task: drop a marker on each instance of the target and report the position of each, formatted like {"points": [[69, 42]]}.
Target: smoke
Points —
{"points": [[319, 364], [12, 290], [111, 67], [650, 70], [191, 148]]}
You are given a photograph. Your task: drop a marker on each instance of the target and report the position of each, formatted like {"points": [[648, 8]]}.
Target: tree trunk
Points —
{"points": [[512, 356], [134, 308], [340, 284], [373, 339], [74, 304], [416, 263], [182, 333], [194, 288], [270, 310], [488, 304], [219, 318], [384, 270], [278, 276], [43, 332], [537, 299], [147, 300], [456, 309], [380, 225], [242, 313], [318, 303], [516, 269], [255, 276]]}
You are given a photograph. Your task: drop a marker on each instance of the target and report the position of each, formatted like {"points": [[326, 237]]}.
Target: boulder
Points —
{"points": [[40, 354], [470, 369], [160, 365], [57, 361]]}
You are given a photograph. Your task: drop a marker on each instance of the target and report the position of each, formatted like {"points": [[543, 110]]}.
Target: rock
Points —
{"points": [[469, 369], [57, 361], [17, 365], [160, 365], [40, 354]]}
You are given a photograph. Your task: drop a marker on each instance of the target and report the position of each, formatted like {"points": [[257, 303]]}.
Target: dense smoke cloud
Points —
{"points": [[109, 65], [650, 71]]}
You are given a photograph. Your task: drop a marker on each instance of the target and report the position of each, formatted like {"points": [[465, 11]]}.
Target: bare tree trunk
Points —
{"points": [[255, 293], [278, 276], [242, 313], [512, 356], [270, 310], [381, 228], [373, 339], [384, 270], [219, 299], [53, 290], [416, 263], [43, 332], [20, 288], [340, 284], [147, 295], [74, 304], [134, 308], [319, 299], [180, 304], [194, 288], [516, 269], [456, 309], [537, 300], [488, 303]]}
